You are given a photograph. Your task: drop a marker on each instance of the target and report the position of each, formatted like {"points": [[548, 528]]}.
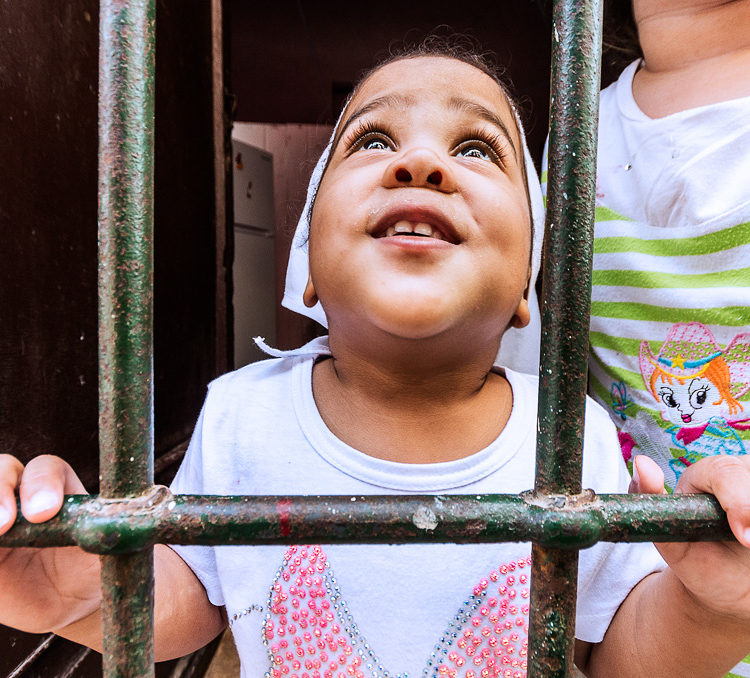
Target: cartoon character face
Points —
{"points": [[690, 403]]}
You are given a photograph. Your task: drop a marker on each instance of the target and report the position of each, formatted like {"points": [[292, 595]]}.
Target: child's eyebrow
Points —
{"points": [[386, 101], [476, 109]]}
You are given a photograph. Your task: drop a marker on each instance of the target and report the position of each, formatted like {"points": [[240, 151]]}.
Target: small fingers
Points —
{"points": [[648, 478], [728, 479], [43, 484], [10, 474]]}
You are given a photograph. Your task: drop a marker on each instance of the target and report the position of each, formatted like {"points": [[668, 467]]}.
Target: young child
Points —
{"points": [[670, 346], [419, 252]]}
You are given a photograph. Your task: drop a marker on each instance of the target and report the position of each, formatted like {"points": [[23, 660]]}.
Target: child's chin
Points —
{"points": [[417, 327], [411, 318]]}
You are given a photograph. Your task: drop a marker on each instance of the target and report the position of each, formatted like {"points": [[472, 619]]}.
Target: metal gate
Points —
{"points": [[131, 514]]}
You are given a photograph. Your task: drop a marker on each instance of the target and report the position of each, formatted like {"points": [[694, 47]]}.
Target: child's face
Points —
{"points": [[421, 223]]}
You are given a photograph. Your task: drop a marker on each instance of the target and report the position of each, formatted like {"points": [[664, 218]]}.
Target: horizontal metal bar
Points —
{"points": [[127, 525]]}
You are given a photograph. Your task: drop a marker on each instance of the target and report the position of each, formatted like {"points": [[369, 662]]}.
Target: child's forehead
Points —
{"points": [[405, 81]]}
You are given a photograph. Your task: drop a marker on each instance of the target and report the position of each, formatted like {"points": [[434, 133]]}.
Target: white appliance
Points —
{"points": [[253, 271]]}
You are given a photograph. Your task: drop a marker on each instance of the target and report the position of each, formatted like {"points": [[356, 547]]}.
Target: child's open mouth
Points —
{"points": [[407, 228], [413, 223]]}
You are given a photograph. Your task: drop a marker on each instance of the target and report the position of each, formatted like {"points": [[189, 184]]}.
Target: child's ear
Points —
{"points": [[522, 316], [309, 296]]}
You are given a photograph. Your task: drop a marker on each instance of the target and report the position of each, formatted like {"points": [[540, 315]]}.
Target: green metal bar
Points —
{"points": [[123, 526], [127, 615], [568, 254], [576, 56], [126, 115]]}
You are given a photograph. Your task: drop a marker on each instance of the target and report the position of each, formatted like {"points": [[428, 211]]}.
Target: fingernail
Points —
{"points": [[4, 516], [746, 534], [636, 477], [40, 502]]}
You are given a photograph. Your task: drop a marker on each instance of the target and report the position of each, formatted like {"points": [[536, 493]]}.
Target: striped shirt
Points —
{"points": [[670, 303]]}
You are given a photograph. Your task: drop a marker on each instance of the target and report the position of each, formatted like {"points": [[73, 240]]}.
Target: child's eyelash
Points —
{"points": [[364, 131], [495, 143]]}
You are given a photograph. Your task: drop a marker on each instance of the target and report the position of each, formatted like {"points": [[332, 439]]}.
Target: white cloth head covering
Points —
{"points": [[520, 347]]}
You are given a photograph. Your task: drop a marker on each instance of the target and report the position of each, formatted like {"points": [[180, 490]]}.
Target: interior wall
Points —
{"points": [[294, 61], [295, 149]]}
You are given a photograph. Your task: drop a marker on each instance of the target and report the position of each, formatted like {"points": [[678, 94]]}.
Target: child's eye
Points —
{"points": [[368, 136], [375, 143], [482, 147], [473, 151]]}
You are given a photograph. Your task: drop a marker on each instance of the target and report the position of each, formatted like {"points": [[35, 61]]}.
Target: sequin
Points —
{"points": [[489, 648], [306, 605]]}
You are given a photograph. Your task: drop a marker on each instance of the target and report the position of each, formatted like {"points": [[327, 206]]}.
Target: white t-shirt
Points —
{"points": [[670, 298], [381, 610]]}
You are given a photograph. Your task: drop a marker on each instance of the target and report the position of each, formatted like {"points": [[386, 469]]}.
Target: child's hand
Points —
{"points": [[58, 589], [41, 486], [717, 574], [42, 589]]}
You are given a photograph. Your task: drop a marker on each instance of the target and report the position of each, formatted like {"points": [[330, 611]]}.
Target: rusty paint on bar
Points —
{"points": [[568, 253], [129, 634], [126, 114], [122, 526], [576, 55], [556, 569], [126, 143]]}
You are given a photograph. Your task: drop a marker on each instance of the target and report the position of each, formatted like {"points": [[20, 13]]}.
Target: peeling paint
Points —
{"points": [[111, 526], [425, 519]]}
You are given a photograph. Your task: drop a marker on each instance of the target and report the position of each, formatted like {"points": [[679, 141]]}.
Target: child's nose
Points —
{"points": [[421, 168]]}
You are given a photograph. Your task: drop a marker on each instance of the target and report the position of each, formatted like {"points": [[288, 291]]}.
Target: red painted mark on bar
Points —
{"points": [[284, 508]]}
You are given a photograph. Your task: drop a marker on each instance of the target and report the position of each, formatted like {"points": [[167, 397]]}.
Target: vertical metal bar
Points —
{"points": [[576, 56], [126, 115], [221, 140]]}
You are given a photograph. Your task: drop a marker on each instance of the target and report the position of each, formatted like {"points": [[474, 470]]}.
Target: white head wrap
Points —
{"points": [[520, 347]]}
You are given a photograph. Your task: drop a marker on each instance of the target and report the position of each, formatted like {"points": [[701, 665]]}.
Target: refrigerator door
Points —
{"points": [[253, 274], [254, 294], [253, 186]]}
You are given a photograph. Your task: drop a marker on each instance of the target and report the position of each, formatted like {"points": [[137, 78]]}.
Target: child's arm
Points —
{"points": [[58, 589], [692, 619]]}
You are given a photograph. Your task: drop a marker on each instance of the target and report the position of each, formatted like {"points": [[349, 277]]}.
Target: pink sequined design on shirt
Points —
{"points": [[310, 633]]}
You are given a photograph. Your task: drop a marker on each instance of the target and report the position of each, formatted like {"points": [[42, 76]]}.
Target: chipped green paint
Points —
{"points": [[124, 526], [127, 609], [552, 651], [576, 56], [126, 161], [126, 113]]}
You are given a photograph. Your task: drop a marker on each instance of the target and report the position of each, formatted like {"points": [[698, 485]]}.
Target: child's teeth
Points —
{"points": [[409, 227]]}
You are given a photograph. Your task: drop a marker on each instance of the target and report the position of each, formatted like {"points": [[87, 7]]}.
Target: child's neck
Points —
{"points": [[696, 52], [404, 405]]}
